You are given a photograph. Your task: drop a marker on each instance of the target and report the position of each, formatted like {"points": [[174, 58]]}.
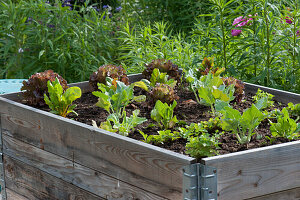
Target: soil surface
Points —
{"points": [[187, 110]]}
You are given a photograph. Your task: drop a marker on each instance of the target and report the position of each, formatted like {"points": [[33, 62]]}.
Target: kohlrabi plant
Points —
{"points": [[242, 126], [162, 113], [285, 127], [59, 101], [210, 90]]}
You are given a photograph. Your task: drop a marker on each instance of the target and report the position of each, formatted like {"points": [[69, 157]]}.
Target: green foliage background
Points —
{"points": [[35, 36]]}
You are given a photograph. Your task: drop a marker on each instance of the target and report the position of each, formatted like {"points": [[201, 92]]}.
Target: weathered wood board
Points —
{"points": [[292, 194], [38, 185], [134, 162], [81, 176], [257, 172], [12, 195]]}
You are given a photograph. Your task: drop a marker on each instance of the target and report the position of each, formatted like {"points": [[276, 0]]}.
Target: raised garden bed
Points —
{"points": [[46, 156]]}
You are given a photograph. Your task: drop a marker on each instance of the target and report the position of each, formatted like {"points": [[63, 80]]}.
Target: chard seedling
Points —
{"points": [[59, 101], [163, 114]]}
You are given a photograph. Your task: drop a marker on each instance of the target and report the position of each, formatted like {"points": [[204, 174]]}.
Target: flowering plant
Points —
{"points": [[240, 22]]}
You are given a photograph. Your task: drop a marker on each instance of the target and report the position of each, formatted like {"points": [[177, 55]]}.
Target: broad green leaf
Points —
{"points": [[142, 85], [103, 101], [262, 103], [72, 93]]}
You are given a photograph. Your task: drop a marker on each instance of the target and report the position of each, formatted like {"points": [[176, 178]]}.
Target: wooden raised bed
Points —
{"points": [[46, 156]]}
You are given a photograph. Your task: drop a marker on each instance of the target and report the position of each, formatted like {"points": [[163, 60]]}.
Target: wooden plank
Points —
{"points": [[83, 177], [257, 172], [280, 95], [293, 194], [12, 195], [134, 162], [35, 184]]}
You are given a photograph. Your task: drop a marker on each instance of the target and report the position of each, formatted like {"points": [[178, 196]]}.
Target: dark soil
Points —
{"points": [[188, 110]]}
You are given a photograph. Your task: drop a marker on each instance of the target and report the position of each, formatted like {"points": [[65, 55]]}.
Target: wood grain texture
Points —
{"points": [[83, 177], [293, 194], [143, 165], [37, 185], [257, 172], [12, 195]]}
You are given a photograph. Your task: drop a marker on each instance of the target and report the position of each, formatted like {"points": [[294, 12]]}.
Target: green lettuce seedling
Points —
{"points": [[241, 125], [285, 126], [115, 96], [59, 101], [163, 114], [162, 136], [202, 145], [261, 94], [113, 123]]}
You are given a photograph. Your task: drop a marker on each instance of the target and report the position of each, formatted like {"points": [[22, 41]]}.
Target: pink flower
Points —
{"points": [[298, 33], [288, 20], [240, 22], [235, 32]]}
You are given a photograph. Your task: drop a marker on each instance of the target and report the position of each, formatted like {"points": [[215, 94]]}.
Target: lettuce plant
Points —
{"points": [[200, 142], [36, 86], [115, 96], [163, 66], [159, 77], [241, 125], [202, 145], [113, 123], [59, 101], [163, 136], [285, 127], [163, 114], [111, 71], [261, 94]]}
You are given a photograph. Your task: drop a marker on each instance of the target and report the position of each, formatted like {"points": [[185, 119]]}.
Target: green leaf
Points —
{"points": [[72, 93], [142, 84], [262, 103], [103, 101], [41, 53]]}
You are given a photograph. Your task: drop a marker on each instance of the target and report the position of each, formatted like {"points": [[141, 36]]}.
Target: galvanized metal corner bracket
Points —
{"points": [[199, 182]]}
